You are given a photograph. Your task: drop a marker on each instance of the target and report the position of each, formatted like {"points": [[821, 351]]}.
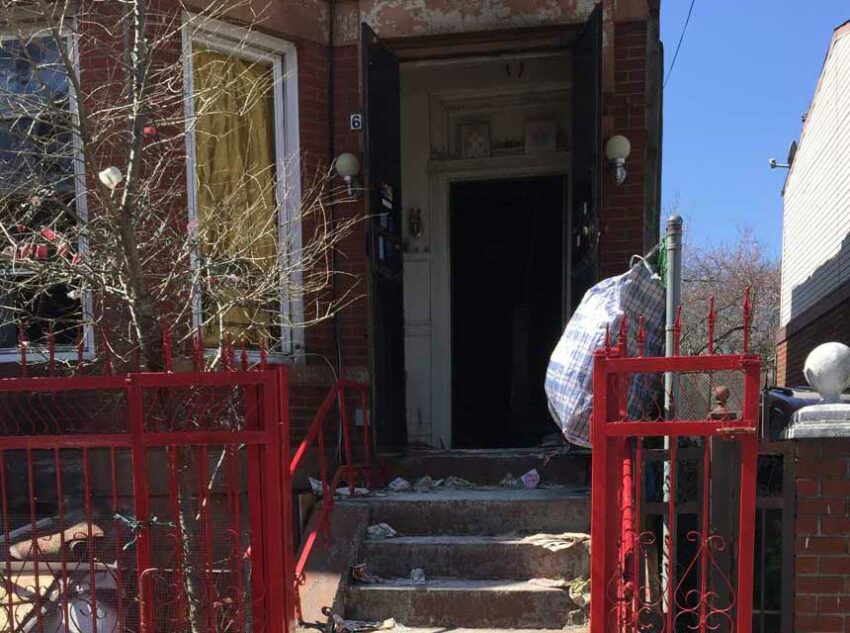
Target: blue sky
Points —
{"points": [[746, 72]]}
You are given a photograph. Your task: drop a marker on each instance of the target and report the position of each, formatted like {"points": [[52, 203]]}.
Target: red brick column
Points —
{"points": [[622, 212], [822, 536]]}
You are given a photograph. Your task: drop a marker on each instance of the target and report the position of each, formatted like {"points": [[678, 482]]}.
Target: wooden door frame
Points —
{"points": [[442, 174]]}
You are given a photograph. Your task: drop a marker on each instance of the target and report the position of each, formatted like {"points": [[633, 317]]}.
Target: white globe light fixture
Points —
{"points": [[617, 150], [111, 177], [348, 166]]}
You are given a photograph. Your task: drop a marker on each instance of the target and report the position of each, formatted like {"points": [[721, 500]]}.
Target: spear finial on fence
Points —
{"points": [[712, 320], [607, 339], [22, 346], [51, 349], [748, 309], [167, 358], [623, 338], [677, 330], [198, 349], [641, 339], [243, 356], [80, 348], [227, 360]]}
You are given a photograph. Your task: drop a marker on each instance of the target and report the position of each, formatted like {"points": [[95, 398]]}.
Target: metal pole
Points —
{"points": [[671, 383], [674, 300]]}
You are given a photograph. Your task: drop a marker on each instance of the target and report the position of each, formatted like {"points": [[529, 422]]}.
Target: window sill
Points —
{"points": [[37, 355], [272, 358]]}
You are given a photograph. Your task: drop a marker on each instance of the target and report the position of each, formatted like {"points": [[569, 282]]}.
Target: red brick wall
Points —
{"points": [[351, 261], [796, 343], [311, 382], [822, 536], [353, 320], [622, 212]]}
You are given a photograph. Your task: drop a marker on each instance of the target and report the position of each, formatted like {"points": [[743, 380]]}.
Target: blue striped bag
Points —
{"points": [[569, 378]]}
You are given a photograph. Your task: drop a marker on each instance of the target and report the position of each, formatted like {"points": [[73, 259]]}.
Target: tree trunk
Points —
{"points": [[192, 582]]}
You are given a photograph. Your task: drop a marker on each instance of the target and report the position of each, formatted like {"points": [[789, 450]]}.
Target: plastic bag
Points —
{"points": [[569, 378]]}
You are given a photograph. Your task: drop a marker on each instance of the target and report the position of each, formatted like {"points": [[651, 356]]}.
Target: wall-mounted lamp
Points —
{"points": [[348, 166], [617, 149], [111, 177]]}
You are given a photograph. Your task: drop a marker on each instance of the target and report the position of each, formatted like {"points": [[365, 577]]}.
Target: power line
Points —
{"points": [[679, 45]]}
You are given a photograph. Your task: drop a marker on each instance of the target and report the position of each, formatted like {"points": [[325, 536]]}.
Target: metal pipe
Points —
{"points": [[674, 300], [673, 276]]}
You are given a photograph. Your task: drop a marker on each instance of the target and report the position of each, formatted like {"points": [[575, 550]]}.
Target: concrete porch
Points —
{"points": [[493, 558]]}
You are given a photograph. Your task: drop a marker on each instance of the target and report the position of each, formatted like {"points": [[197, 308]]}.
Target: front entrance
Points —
{"points": [[507, 307], [509, 128]]}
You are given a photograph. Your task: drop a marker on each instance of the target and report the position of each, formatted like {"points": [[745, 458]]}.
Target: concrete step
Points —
{"points": [[482, 511], [462, 603], [481, 557], [488, 467]]}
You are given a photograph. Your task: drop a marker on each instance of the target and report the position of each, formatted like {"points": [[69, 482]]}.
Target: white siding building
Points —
{"points": [[816, 221]]}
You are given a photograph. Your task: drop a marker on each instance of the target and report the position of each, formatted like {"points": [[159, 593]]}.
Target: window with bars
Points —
{"points": [[40, 198]]}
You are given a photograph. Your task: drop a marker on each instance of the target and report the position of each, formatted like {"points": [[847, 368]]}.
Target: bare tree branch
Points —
{"points": [[131, 251]]}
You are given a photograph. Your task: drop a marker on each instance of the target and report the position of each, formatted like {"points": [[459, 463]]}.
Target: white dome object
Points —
{"points": [[347, 165], [618, 148], [111, 177], [827, 370]]}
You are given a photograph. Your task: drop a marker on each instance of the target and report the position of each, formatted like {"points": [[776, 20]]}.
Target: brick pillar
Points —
{"points": [[624, 109], [822, 536]]}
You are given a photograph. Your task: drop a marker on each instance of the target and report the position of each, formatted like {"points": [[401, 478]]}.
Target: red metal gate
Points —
{"points": [[673, 500], [145, 502]]}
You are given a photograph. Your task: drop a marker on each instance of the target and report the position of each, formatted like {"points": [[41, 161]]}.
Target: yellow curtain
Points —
{"points": [[236, 178]]}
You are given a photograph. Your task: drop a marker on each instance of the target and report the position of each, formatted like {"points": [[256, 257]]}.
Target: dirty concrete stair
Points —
{"points": [[480, 548]]}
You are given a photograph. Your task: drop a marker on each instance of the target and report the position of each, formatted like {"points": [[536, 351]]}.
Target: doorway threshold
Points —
{"points": [[556, 465], [419, 451]]}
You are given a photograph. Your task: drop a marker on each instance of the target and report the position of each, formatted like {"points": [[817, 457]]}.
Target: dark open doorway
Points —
{"points": [[508, 298]]}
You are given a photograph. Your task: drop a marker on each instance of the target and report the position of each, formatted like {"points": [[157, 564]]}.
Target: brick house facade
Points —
{"points": [[416, 32], [543, 85]]}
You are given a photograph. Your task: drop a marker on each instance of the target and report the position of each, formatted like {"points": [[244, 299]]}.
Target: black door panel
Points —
{"points": [[381, 89]]}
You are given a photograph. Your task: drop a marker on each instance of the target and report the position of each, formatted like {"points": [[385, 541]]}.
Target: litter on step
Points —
{"points": [[417, 576], [427, 483], [529, 480], [361, 626], [343, 491], [380, 531], [361, 574]]}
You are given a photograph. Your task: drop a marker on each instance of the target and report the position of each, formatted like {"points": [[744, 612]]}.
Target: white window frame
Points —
{"points": [[37, 352], [250, 45]]}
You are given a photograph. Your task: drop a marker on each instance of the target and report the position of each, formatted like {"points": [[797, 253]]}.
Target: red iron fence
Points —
{"points": [[145, 502], [352, 471], [673, 492], [150, 502]]}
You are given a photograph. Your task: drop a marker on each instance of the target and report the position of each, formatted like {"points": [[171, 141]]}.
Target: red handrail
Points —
{"points": [[348, 471]]}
